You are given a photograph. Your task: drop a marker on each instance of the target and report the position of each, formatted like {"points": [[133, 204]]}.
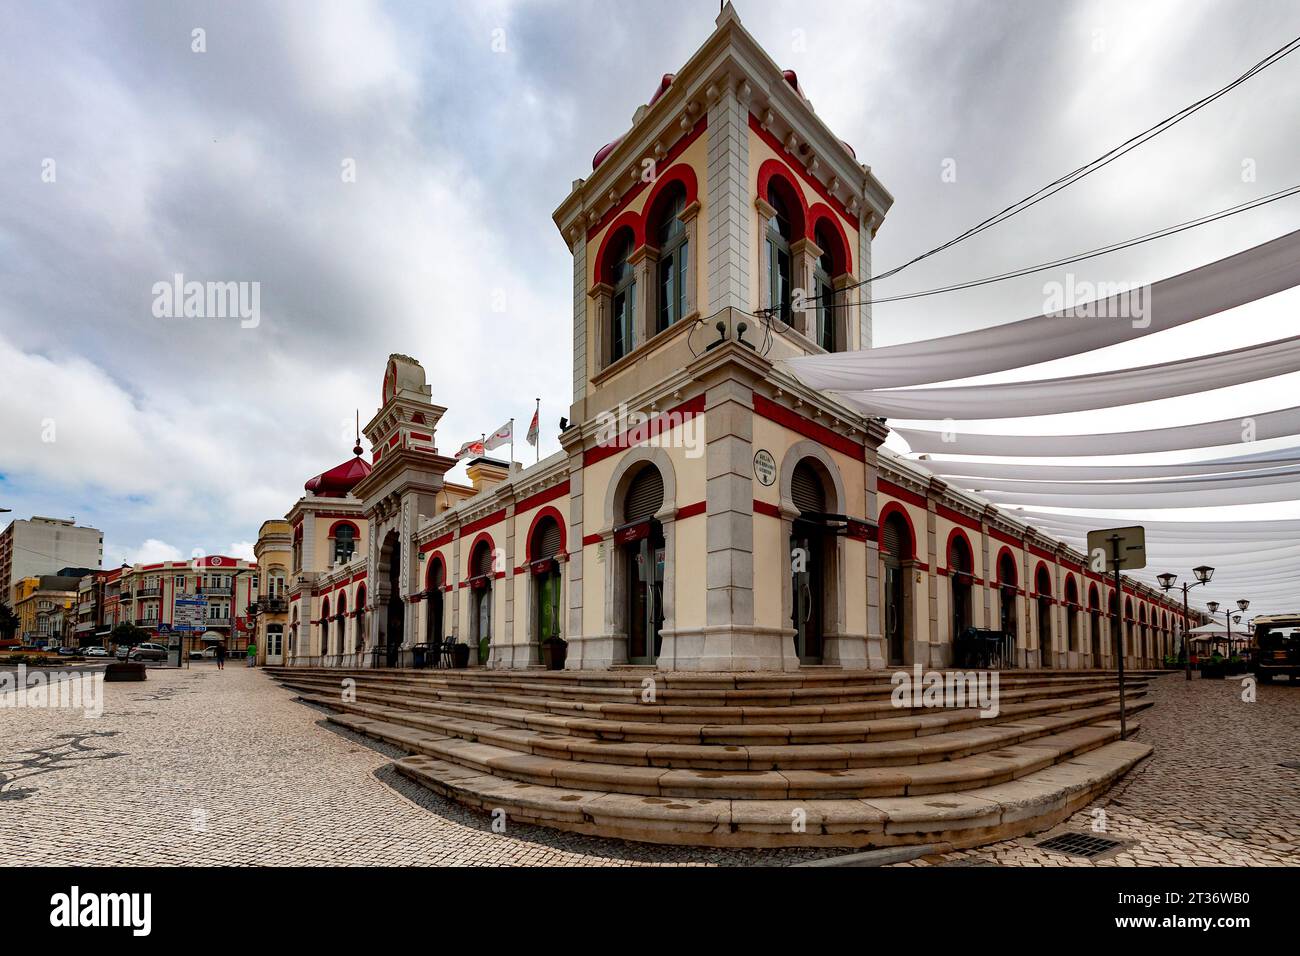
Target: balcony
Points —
{"points": [[272, 605], [85, 607], [148, 622], [216, 592], [148, 592], [217, 622]]}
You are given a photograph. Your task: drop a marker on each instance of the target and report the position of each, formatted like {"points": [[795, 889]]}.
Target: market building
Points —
{"points": [[707, 511]]}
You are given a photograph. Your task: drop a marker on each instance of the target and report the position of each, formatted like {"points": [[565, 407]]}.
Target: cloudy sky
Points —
{"points": [[465, 124]]}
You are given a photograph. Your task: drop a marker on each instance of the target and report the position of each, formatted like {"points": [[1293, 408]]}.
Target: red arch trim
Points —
{"points": [[434, 558], [947, 550], [356, 531], [773, 170], [892, 508], [1042, 566], [841, 257], [480, 537], [550, 511], [628, 220], [997, 568], [681, 173]]}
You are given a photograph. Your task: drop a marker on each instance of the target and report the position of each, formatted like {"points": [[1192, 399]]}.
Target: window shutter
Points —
{"points": [[806, 490], [546, 543], [645, 495], [483, 560]]}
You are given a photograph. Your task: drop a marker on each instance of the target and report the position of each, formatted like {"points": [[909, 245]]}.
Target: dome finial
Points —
{"points": [[356, 449]]}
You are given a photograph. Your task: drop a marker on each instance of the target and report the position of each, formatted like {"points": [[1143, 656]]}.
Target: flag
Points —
{"points": [[533, 429], [503, 435], [474, 448]]}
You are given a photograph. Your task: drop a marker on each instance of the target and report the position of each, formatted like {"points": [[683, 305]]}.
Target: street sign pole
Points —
{"points": [[1127, 551]]}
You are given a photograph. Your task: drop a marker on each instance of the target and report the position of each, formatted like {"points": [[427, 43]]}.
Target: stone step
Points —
{"points": [[871, 753], [983, 769], [889, 724], [869, 685], [1033, 802], [671, 713]]}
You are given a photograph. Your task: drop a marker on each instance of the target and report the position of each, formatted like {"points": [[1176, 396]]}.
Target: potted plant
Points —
{"points": [[554, 652], [461, 652]]}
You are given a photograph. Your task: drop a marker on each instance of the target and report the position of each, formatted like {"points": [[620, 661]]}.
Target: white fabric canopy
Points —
{"points": [[1228, 431], [1208, 498], [979, 469], [1287, 528], [1077, 393], [1253, 274], [1250, 479]]}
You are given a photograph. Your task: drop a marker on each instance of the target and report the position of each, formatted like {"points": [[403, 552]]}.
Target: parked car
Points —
{"points": [[95, 651], [208, 653], [122, 652], [147, 652], [68, 651]]}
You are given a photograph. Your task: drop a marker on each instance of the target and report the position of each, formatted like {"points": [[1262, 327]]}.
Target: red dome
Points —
{"points": [[339, 480]]}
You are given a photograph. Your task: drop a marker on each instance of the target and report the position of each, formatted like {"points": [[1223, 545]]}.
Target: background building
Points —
{"points": [[147, 595], [43, 546], [44, 604], [270, 613]]}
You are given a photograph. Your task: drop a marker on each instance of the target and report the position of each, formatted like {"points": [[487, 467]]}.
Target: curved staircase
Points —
{"points": [[807, 759]]}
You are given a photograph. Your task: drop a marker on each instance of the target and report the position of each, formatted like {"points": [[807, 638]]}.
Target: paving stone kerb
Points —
{"points": [[764, 760]]}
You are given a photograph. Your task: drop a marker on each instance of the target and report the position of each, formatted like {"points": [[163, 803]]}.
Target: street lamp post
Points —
{"points": [[1203, 576], [1228, 613]]}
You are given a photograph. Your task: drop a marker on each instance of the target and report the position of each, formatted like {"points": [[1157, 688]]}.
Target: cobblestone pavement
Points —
{"points": [[1213, 794], [208, 767], [211, 767]]}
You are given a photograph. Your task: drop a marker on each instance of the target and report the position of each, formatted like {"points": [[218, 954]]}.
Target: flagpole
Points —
{"points": [[537, 445], [511, 469]]}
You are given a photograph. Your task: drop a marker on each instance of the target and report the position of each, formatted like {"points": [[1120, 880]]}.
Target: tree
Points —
{"points": [[8, 622], [128, 634]]}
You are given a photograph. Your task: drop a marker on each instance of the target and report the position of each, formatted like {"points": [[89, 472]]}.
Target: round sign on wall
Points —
{"points": [[764, 467]]}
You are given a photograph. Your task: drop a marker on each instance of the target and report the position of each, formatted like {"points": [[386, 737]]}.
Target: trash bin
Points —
{"points": [[461, 652], [418, 655]]}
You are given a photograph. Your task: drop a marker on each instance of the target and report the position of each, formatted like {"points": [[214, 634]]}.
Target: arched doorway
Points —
{"points": [[1007, 587], [433, 625], [1072, 615], [361, 625], [1142, 647], [1043, 585], [392, 614], [898, 554], [324, 631], [341, 615], [640, 543], [812, 562], [960, 573], [1094, 625], [1128, 628], [481, 593], [544, 546]]}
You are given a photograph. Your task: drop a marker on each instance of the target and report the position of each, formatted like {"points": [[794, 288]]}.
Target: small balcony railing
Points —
{"points": [[148, 592], [216, 592]]}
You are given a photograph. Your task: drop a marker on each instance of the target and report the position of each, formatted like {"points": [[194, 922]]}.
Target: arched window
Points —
{"points": [[345, 543], [670, 233], [780, 234], [824, 289], [623, 306]]}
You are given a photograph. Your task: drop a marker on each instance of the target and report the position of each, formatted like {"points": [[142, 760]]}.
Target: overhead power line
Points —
{"points": [[1101, 161], [1082, 256]]}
